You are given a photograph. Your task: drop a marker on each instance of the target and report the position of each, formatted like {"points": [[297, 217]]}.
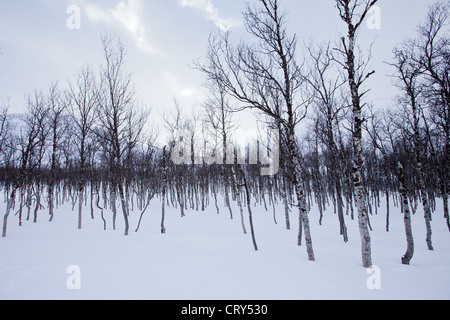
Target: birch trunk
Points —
{"points": [[387, 210], [225, 172], [447, 173], [113, 196], [359, 193], [301, 196], [80, 206], [406, 259], [51, 201], [38, 201], [250, 215], [124, 203], [9, 206], [284, 185], [355, 81], [419, 170], [164, 190], [426, 208], [363, 222], [238, 197]]}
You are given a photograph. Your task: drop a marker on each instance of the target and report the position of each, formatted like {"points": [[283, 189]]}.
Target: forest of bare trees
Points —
{"points": [[89, 142]]}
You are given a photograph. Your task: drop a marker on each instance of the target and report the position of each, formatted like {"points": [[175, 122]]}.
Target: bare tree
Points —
{"points": [[28, 140], [353, 13], [217, 108], [181, 150], [84, 97], [57, 103], [408, 74], [384, 134], [406, 259], [164, 190], [432, 49], [4, 128], [329, 110], [266, 78], [118, 116]]}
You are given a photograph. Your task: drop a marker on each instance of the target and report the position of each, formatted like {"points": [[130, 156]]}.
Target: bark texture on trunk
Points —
{"points": [[406, 259]]}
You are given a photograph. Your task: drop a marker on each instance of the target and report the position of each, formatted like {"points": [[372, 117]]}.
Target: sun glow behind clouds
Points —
{"points": [[127, 14], [211, 13]]}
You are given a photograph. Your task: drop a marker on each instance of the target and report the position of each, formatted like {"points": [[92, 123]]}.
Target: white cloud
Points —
{"points": [[97, 13], [210, 12], [127, 14], [187, 92], [173, 81]]}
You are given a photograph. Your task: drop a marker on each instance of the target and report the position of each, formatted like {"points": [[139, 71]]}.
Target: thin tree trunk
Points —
{"points": [[38, 201], [215, 197], [446, 214], [406, 259], [446, 182], [238, 197], [423, 194], [124, 207], [113, 205], [101, 210], [92, 202], [164, 189], [9, 207], [28, 201], [301, 197], [51, 201], [250, 215], [286, 209], [145, 209], [80, 206], [340, 207], [387, 211], [22, 194]]}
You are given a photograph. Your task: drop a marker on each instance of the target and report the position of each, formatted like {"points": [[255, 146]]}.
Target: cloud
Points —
{"points": [[126, 14], [210, 12], [187, 92], [173, 81], [97, 13]]}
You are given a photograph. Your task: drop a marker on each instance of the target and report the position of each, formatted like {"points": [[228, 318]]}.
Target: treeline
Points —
{"points": [[91, 142]]}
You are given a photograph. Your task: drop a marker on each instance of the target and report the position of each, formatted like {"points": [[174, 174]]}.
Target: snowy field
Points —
{"points": [[206, 256]]}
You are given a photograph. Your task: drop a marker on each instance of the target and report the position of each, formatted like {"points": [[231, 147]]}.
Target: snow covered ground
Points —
{"points": [[206, 256]]}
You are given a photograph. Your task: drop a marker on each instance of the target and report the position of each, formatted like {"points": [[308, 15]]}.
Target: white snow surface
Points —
{"points": [[205, 256]]}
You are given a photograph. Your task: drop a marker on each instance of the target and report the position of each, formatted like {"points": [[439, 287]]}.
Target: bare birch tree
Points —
{"points": [[84, 98], [266, 78], [118, 116], [4, 128], [406, 259], [217, 108], [34, 122], [408, 74], [384, 135], [433, 56], [57, 106], [329, 110], [353, 13]]}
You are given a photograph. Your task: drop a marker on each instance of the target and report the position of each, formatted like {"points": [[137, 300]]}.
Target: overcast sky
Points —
{"points": [[163, 38]]}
